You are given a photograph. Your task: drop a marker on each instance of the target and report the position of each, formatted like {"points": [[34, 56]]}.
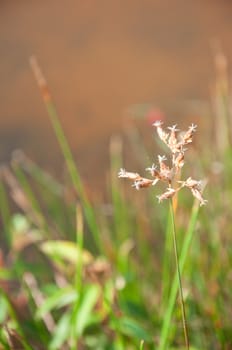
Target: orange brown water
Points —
{"points": [[100, 57]]}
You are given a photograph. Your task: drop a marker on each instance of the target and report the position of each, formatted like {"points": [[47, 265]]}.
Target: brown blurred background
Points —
{"points": [[100, 58]]}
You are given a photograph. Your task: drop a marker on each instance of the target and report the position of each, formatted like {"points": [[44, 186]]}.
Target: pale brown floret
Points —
{"points": [[162, 134], [166, 195], [166, 174], [197, 194], [153, 170], [172, 141], [178, 161], [195, 187], [191, 183], [163, 167], [187, 137], [129, 175], [139, 181], [157, 123], [142, 183], [176, 148]]}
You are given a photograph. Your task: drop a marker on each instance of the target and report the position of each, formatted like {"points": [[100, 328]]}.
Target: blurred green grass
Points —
{"points": [[77, 273]]}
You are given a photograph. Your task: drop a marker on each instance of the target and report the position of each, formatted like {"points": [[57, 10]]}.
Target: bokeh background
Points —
{"points": [[102, 59]]}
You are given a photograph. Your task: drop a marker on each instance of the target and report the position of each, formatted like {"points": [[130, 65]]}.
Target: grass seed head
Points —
{"points": [[167, 173]]}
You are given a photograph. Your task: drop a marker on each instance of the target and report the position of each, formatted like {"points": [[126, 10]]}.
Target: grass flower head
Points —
{"points": [[176, 144]]}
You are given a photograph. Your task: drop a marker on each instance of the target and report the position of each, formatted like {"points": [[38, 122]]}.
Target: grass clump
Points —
{"points": [[76, 273]]}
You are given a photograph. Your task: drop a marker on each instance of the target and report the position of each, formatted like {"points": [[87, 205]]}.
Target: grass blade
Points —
{"points": [[74, 174], [174, 288]]}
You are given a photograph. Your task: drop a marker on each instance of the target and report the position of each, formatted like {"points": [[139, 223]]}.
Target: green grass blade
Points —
{"points": [[167, 263], [79, 246], [73, 172], [120, 210], [5, 212], [13, 316], [31, 197], [37, 173], [76, 180], [174, 288], [61, 333], [85, 309]]}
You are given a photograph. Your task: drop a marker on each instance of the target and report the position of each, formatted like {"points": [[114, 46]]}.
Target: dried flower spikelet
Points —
{"points": [[176, 148], [197, 194], [155, 173], [157, 124], [196, 188], [178, 161], [165, 173], [191, 183], [162, 165], [142, 183], [172, 141], [187, 137], [162, 134], [126, 174], [166, 195], [153, 170]]}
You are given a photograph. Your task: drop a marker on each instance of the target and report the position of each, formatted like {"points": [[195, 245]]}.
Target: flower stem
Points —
{"points": [[183, 313]]}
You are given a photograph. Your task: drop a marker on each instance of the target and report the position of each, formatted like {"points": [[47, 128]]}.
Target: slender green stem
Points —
{"points": [[79, 274], [141, 345], [174, 287], [5, 213], [185, 328], [166, 277], [79, 242]]}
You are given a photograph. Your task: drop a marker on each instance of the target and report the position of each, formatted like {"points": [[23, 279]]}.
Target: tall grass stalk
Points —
{"points": [[79, 243], [79, 275], [183, 312], [174, 288], [121, 214], [166, 264], [74, 174], [5, 213], [163, 172]]}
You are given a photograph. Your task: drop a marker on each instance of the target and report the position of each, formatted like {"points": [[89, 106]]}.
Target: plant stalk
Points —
{"points": [[183, 313]]}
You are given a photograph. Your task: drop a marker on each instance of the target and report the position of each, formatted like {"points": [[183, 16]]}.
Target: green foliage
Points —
{"points": [[74, 275]]}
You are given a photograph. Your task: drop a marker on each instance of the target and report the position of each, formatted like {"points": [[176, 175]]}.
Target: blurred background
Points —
{"points": [[86, 261], [103, 59]]}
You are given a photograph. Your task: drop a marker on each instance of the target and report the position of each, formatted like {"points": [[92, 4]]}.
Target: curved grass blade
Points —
{"points": [[65, 148]]}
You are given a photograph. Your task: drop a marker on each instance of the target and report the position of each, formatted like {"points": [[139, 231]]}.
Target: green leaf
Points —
{"points": [[59, 299], [61, 333], [84, 314], [133, 329], [65, 251], [3, 309]]}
